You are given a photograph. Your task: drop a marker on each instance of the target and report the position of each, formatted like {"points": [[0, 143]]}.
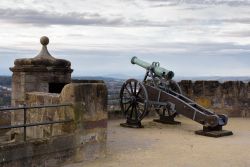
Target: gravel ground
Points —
{"points": [[160, 145]]}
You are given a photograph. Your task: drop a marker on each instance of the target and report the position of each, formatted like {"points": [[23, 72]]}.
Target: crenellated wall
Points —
{"points": [[231, 97]]}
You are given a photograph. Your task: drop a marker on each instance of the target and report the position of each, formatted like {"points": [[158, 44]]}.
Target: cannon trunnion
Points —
{"points": [[160, 93]]}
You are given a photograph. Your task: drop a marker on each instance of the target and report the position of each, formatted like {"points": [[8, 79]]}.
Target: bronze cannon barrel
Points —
{"points": [[155, 67]]}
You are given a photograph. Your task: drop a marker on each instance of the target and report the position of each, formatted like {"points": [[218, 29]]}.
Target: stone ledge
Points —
{"points": [[53, 151], [20, 150]]}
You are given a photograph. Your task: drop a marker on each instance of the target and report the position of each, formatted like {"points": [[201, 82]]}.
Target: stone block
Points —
{"points": [[22, 77], [43, 87], [44, 77], [230, 97], [198, 88], [229, 102], [240, 89], [31, 79], [203, 101], [16, 77], [228, 88], [89, 99], [30, 87], [211, 88], [187, 87]]}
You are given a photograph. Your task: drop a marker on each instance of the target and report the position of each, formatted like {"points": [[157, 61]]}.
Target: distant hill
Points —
{"points": [[216, 78], [95, 78], [6, 80]]}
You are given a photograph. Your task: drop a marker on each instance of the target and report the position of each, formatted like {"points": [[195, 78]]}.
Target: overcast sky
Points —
{"points": [[99, 37]]}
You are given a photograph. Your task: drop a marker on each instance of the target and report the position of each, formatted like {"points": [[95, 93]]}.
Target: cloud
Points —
{"points": [[232, 3], [245, 20], [163, 49], [45, 18], [194, 21], [209, 58], [190, 36], [241, 34], [28, 16]]}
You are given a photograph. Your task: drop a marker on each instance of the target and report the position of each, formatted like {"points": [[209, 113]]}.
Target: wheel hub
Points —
{"points": [[133, 99]]}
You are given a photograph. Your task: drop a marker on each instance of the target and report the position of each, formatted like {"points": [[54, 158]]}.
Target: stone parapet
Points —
{"points": [[53, 145], [231, 97]]}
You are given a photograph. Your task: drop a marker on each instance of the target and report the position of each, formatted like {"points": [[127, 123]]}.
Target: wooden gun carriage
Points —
{"points": [[159, 92]]}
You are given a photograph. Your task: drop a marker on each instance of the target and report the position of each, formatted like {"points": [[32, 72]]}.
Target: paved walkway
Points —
{"points": [[159, 145]]}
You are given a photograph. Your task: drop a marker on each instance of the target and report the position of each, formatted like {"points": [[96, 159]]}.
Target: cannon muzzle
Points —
{"points": [[155, 67]]}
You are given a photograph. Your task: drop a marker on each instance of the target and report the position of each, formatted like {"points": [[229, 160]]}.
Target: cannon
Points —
{"points": [[160, 93]]}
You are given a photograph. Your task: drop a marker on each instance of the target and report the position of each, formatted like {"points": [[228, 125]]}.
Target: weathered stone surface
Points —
{"points": [[51, 145], [89, 102], [198, 88], [211, 88], [38, 74], [44, 152], [187, 87], [89, 98], [35, 74], [231, 97], [41, 81], [46, 114]]}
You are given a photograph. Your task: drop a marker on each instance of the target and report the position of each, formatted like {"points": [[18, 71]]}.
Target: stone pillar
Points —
{"points": [[89, 102], [43, 73]]}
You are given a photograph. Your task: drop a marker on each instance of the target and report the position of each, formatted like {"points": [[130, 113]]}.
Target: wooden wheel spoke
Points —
{"points": [[139, 91], [131, 88], [140, 99], [139, 109], [131, 112], [126, 111], [126, 100], [130, 93], [136, 113], [135, 89]]}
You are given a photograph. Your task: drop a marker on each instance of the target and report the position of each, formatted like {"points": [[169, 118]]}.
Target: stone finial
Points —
{"points": [[44, 53], [42, 59], [44, 40]]}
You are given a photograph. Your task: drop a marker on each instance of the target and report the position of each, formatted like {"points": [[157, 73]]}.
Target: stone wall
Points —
{"points": [[90, 107], [53, 145], [23, 82], [231, 97], [47, 115]]}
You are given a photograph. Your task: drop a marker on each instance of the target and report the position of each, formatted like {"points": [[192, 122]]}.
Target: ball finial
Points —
{"points": [[44, 40]]}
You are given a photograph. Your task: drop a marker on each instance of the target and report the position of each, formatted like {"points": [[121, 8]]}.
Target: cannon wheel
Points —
{"points": [[167, 113], [133, 101], [169, 110], [174, 86]]}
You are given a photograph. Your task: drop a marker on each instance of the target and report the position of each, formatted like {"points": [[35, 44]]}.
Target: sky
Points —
{"points": [[99, 37]]}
